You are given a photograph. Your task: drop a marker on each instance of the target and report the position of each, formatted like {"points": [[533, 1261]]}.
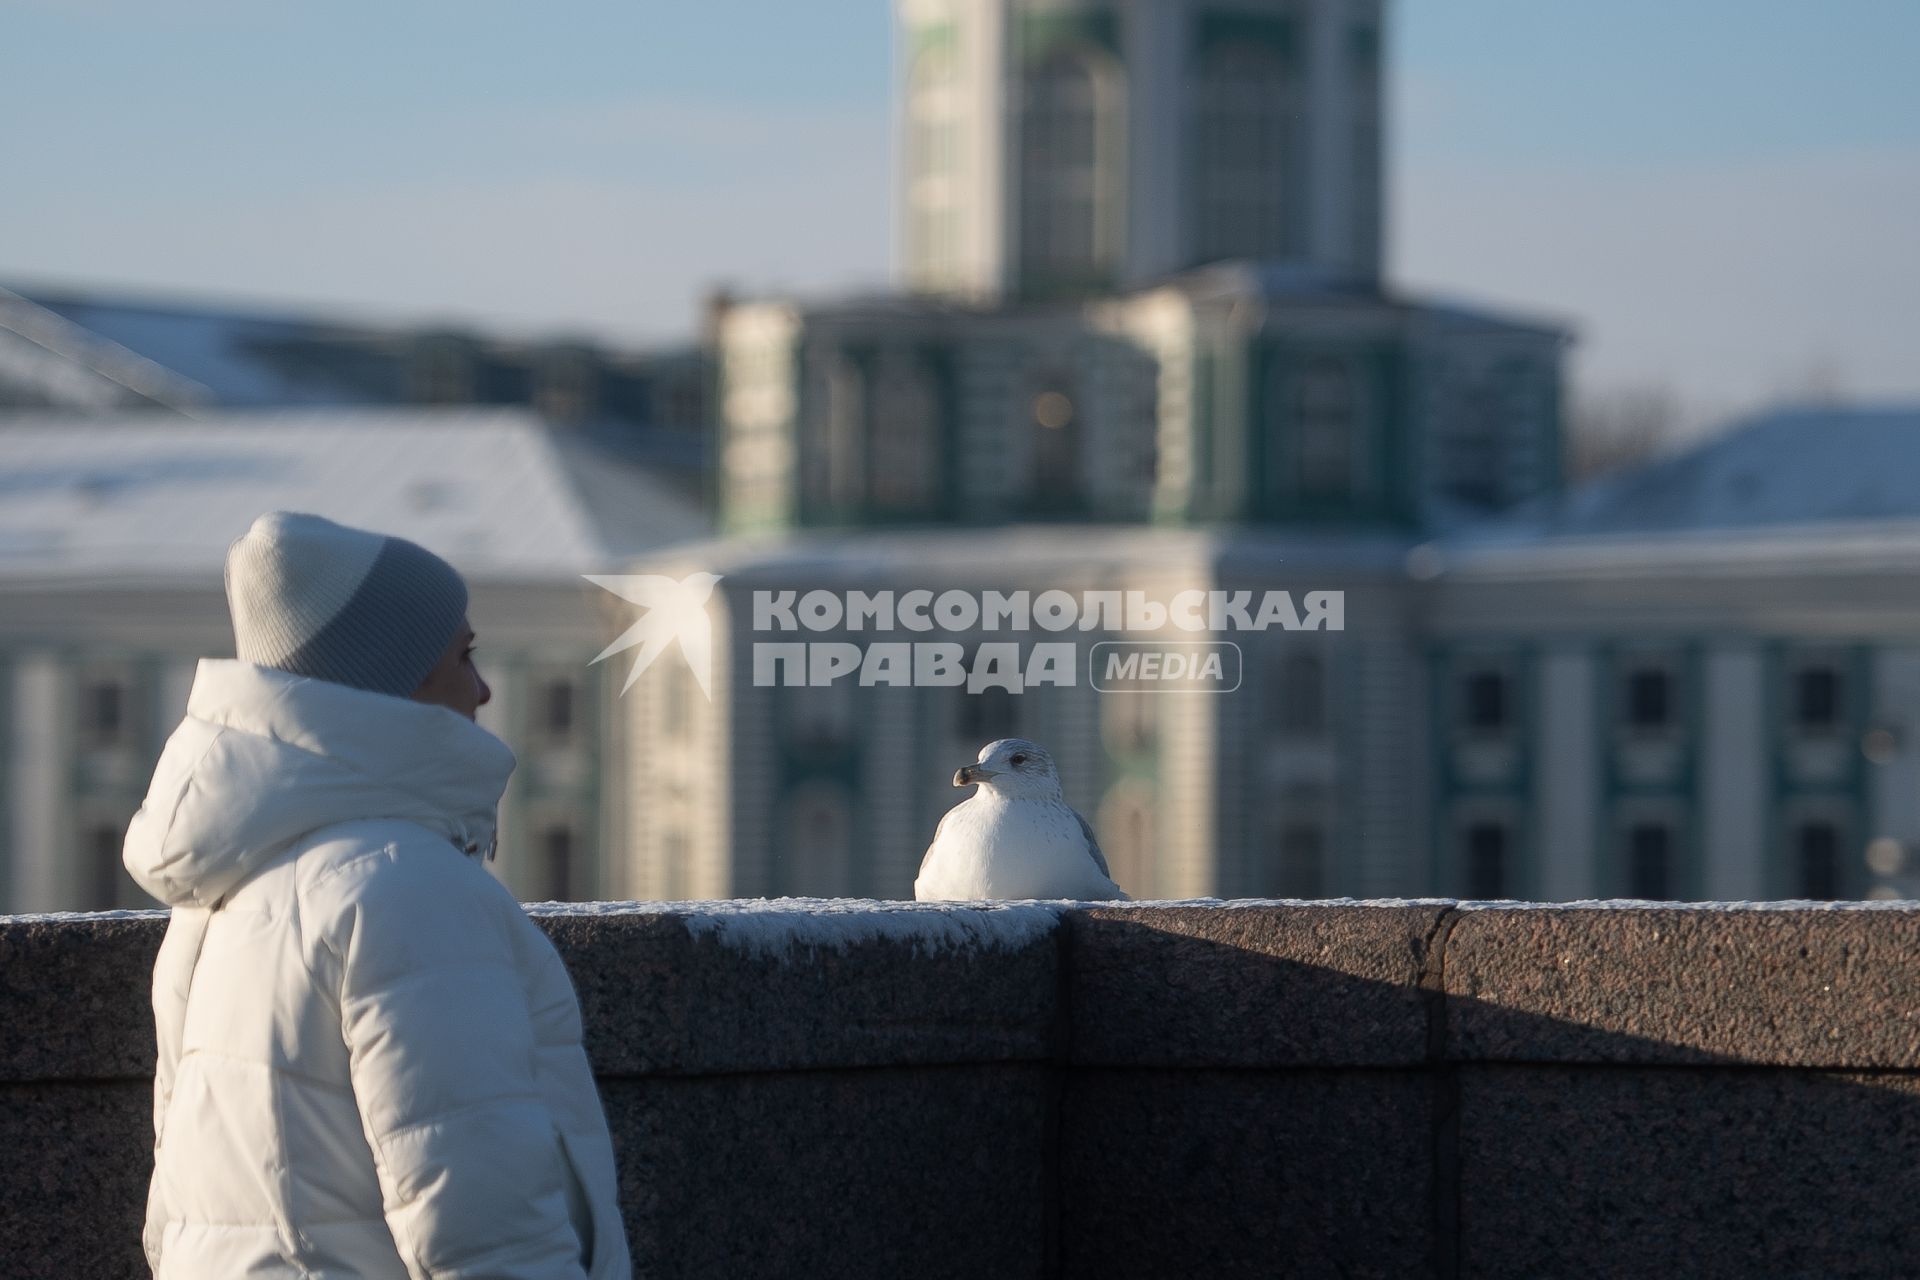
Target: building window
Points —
{"points": [[1816, 700], [1052, 419], [820, 717], [1650, 861], [1485, 702], [1245, 143], [903, 438], [109, 878], [1486, 860], [557, 709], [1325, 419], [103, 713], [1649, 700], [1066, 127], [1299, 696], [838, 472], [556, 862], [1473, 464], [988, 715], [1817, 854], [1302, 860]]}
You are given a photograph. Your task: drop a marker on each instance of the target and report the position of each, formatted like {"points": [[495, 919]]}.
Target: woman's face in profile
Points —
{"points": [[455, 682]]}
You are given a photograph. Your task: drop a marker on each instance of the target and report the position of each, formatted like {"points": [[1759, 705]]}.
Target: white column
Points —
{"points": [[1157, 40], [1734, 775], [981, 32], [40, 808], [1569, 778]]}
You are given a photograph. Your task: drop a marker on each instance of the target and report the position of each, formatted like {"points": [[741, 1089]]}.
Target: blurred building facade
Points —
{"points": [[92, 350], [1146, 342], [113, 536]]}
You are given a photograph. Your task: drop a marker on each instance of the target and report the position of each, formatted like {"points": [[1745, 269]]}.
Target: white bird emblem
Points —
{"points": [[675, 610], [1015, 837]]}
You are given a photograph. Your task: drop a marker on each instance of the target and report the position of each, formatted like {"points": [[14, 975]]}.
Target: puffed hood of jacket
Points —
{"points": [[264, 757]]}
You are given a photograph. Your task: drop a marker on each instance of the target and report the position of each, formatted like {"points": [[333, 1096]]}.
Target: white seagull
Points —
{"points": [[1014, 837]]}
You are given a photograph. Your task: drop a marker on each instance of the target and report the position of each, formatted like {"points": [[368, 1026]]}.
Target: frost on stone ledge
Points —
{"points": [[783, 927]]}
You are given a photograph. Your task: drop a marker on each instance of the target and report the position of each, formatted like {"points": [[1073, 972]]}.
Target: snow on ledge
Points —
{"points": [[781, 927], [86, 917]]}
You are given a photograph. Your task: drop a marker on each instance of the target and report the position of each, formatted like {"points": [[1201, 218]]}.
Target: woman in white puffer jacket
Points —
{"points": [[370, 1059]]}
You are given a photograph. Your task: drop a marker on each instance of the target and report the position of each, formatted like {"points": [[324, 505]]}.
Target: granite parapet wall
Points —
{"points": [[1225, 1089]]}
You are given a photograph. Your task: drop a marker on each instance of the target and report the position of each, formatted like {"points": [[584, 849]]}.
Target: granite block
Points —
{"points": [[1687, 1171], [1246, 1173], [75, 1160], [1774, 986], [1249, 985], [76, 996], [658, 998], [930, 1173]]}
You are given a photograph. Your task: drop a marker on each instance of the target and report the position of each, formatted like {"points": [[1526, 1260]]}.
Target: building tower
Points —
{"points": [[1056, 148]]}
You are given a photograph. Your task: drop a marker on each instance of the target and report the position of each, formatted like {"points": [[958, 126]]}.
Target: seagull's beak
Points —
{"points": [[967, 775]]}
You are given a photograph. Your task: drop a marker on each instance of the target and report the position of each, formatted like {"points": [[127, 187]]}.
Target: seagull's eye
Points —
{"points": [[1020, 759]]}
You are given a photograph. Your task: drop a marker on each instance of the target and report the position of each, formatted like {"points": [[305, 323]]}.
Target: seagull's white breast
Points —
{"points": [[992, 847]]}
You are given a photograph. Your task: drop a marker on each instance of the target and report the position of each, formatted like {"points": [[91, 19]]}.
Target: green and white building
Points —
{"points": [[1144, 342]]}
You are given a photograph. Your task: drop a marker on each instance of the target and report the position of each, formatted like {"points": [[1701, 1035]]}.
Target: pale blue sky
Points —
{"points": [[1721, 195]]}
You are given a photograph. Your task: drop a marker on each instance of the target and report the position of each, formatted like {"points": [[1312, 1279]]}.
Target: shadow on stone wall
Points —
{"points": [[1234, 1090]]}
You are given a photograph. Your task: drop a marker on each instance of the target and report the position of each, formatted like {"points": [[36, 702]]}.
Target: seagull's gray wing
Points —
{"points": [[1093, 846]]}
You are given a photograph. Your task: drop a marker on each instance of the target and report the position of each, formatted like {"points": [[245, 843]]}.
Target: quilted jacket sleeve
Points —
{"points": [[443, 1064]]}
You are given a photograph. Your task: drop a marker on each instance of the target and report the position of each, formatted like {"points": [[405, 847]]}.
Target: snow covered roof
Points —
{"points": [[239, 358], [1831, 485], [1787, 467], [132, 497], [47, 360]]}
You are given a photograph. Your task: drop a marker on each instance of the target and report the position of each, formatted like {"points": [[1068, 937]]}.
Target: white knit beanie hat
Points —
{"points": [[320, 599]]}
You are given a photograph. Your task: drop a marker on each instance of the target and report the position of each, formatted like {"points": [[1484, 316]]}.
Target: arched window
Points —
{"points": [[903, 438], [1245, 145], [1067, 154], [933, 163], [1325, 422]]}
